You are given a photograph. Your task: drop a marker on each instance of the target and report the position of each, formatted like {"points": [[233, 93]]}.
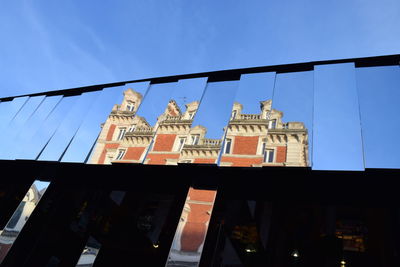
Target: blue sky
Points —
{"points": [[49, 45]]}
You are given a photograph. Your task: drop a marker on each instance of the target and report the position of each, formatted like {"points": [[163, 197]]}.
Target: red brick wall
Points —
{"points": [[160, 159], [280, 154], [195, 229], [209, 160], [242, 162], [134, 153], [110, 132], [164, 142], [202, 195], [104, 152], [245, 145]]}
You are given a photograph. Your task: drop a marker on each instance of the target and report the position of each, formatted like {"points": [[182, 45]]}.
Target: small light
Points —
{"points": [[155, 245], [248, 250], [295, 254], [342, 263]]}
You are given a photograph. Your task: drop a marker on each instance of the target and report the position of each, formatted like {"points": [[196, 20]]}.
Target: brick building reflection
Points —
{"points": [[252, 140]]}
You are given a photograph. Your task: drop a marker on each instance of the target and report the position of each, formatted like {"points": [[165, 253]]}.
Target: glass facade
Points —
{"points": [[274, 166]]}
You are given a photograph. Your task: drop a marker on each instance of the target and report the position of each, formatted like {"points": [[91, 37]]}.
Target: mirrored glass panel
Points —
{"points": [[21, 215], [38, 140], [10, 132], [30, 127], [289, 141], [126, 138], [208, 128], [244, 145], [337, 141], [113, 110], [191, 232], [89, 253], [9, 109], [285, 234], [378, 89], [62, 137], [174, 124]]}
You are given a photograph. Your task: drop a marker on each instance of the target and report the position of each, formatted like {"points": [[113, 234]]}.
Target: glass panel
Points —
{"points": [[379, 92], [21, 215], [34, 145], [208, 128], [126, 139], [62, 137], [9, 133], [9, 109], [192, 229], [130, 97], [89, 253], [337, 132], [247, 130], [174, 126], [269, 233], [290, 139], [31, 126], [141, 229]]}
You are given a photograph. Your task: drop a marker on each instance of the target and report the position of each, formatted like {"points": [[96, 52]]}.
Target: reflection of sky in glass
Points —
{"points": [[293, 96], [254, 88], [9, 109], [156, 101], [32, 125], [16, 125], [37, 142], [337, 132], [216, 106], [379, 94], [188, 90], [64, 134], [89, 130]]}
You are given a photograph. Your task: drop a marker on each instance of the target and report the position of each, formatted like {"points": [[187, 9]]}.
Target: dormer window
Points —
{"points": [[233, 115], [181, 143], [130, 106], [272, 124], [195, 139]]}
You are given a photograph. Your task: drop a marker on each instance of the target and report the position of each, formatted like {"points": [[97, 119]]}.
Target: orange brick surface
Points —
{"points": [[202, 195], [104, 152], [242, 162], [110, 132], [281, 154], [134, 153], [245, 145], [160, 159], [211, 161], [164, 142]]}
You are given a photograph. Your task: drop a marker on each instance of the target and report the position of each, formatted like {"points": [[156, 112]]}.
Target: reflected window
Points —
{"points": [[228, 145], [233, 116], [269, 155], [130, 106], [121, 154], [131, 128], [181, 143], [195, 139], [272, 124], [121, 133]]}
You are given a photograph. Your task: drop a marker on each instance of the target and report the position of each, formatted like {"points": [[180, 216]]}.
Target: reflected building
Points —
{"points": [[252, 140], [14, 226]]}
